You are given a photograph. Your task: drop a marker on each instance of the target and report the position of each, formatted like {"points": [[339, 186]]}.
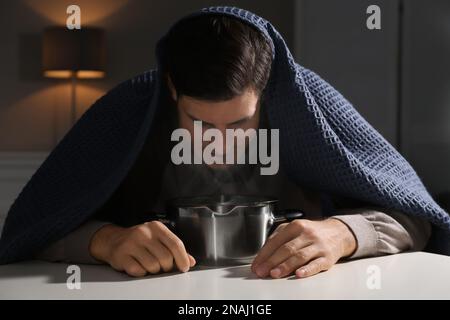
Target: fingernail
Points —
{"points": [[262, 270], [275, 273], [192, 261], [300, 273]]}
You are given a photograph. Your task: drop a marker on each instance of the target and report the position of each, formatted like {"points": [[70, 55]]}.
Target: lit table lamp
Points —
{"points": [[73, 54]]}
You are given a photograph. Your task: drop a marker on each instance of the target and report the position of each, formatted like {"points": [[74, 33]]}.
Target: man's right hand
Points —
{"points": [[146, 248]]}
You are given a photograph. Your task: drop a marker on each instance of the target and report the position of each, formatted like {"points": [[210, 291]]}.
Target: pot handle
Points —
{"points": [[287, 215]]}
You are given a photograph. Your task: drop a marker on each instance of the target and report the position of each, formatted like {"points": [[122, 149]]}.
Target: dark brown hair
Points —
{"points": [[216, 57]]}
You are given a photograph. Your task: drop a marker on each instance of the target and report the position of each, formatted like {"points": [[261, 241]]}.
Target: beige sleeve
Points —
{"points": [[74, 247], [380, 232]]}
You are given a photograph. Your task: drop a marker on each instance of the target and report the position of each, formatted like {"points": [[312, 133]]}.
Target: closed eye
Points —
{"points": [[204, 123], [240, 121]]}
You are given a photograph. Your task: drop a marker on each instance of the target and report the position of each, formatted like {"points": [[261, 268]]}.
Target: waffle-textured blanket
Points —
{"points": [[324, 143]]}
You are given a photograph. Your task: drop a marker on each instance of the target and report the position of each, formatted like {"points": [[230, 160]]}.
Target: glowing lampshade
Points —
{"points": [[73, 53]]}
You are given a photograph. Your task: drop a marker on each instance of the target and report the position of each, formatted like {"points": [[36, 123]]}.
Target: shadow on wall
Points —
{"points": [[93, 11], [30, 57], [132, 29]]}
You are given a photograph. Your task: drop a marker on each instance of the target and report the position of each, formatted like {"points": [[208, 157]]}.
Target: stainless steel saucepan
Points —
{"points": [[225, 229]]}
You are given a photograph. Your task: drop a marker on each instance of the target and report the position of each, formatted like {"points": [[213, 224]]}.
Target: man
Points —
{"points": [[217, 71]]}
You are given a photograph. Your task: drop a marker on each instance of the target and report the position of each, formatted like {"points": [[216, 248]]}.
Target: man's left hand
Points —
{"points": [[305, 247]]}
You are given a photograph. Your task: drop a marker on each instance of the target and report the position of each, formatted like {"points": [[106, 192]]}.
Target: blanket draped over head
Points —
{"points": [[324, 143]]}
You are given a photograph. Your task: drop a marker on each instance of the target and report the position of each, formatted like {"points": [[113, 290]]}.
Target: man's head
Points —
{"points": [[217, 70]]}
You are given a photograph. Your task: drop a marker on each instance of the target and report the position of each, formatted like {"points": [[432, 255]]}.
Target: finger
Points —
{"points": [[160, 252], [176, 246], [147, 260], [286, 234], [275, 232], [132, 267], [312, 268], [283, 253], [301, 258], [192, 261]]}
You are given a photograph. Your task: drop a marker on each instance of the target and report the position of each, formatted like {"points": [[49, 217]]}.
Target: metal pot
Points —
{"points": [[225, 229]]}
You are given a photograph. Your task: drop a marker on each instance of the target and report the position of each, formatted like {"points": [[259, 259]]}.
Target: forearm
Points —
{"points": [[74, 247], [381, 232]]}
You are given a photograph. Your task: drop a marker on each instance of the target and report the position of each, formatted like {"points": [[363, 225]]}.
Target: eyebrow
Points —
{"points": [[195, 119], [211, 125]]}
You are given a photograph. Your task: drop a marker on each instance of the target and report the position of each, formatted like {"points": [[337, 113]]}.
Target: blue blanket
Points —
{"points": [[324, 143]]}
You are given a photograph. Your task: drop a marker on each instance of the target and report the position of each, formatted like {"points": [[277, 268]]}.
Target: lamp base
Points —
{"points": [[73, 99]]}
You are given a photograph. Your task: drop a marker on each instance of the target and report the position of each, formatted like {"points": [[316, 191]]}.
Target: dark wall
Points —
{"points": [[427, 90], [364, 65], [334, 41], [35, 112], [327, 36]]}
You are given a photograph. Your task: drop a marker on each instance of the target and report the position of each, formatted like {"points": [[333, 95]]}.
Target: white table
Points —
{"points": [[404, 276]]}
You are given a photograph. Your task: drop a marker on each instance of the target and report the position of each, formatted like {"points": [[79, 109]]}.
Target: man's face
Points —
{"points": [[240, 112]]}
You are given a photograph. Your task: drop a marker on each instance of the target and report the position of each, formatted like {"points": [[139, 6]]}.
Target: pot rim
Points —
{"points": [[236, 200]]}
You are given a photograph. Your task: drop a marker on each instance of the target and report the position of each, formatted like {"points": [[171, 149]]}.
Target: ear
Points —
{"points": [[173, 92]]}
